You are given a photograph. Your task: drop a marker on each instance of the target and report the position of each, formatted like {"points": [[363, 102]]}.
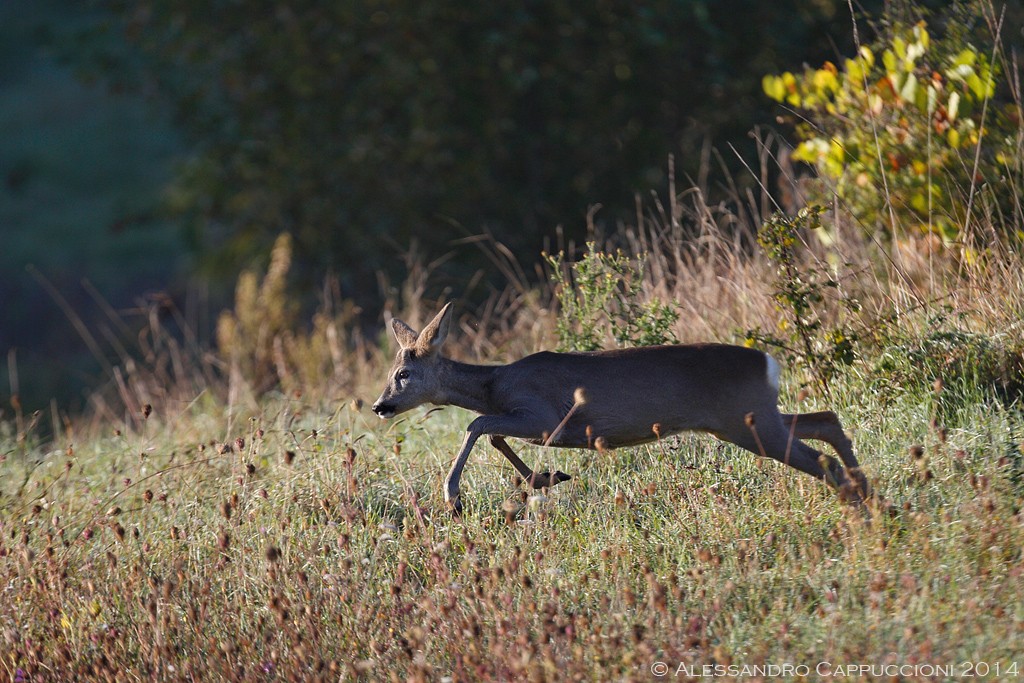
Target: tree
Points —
{"points": [[358, 124]]}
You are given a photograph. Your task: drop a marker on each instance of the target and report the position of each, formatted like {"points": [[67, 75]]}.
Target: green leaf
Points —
{"points": [[966, 57], [900, 46], [921, 100], [889, 61], [961, 73], [909, 89], [854, 74], [976, 85]]}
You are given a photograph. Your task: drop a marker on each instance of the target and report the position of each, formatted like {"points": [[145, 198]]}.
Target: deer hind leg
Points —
{"points": [[825, 426], [537, 480], [768, 436]]}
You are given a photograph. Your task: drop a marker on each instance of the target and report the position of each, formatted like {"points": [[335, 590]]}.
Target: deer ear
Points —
{"points": [[405, 335], [434, 334]]}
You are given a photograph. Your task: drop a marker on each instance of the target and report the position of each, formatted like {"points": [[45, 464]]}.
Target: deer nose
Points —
{"points": [[383, 409]]}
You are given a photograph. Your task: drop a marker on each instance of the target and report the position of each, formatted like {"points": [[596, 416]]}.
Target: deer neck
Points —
{"points": [[467, 386]]}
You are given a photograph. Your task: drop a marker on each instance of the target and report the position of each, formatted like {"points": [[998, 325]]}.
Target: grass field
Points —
{"points": [[291, 535]]}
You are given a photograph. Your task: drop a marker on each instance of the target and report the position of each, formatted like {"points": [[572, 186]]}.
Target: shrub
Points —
{"points": [[603, 293], [893, 132], [961, 363], [807, 335]]}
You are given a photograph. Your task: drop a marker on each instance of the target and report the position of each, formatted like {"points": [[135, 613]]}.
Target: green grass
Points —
{"points": [[294, 536], [171, 550]]}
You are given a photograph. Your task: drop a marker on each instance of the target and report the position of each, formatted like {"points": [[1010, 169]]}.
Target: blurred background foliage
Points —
{"points": [[155, 149], [82, 167], [360, 125], [932, 121]]}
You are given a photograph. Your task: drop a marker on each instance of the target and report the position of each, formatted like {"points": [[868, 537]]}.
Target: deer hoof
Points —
{"points": [[455, 506], [546, 479]]}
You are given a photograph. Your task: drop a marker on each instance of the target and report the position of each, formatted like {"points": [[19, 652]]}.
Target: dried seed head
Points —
{"points": [[656, 428], [350, 455], [147, 495], [289, 457], [147, 410], [240, 444], [917, 452], [225, 509], [601, 444], [580, 396], [273, 554], [938, 385], [356, 405]]}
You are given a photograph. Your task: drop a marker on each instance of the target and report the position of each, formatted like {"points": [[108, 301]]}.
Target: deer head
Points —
{"points": [[414, 378]]}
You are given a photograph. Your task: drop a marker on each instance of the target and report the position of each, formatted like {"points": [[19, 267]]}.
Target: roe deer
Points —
{"points": [[607, 399]]}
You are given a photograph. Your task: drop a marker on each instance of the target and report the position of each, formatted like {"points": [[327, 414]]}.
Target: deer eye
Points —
{"points": [[403, 374]]}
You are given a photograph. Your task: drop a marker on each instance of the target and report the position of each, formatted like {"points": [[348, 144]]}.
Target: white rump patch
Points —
{"points": [[773, 371]]}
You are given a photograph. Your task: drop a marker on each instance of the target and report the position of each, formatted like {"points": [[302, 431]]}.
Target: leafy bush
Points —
{"points": [[894, 131], [961, 362], [803, 294], [602, 293]]}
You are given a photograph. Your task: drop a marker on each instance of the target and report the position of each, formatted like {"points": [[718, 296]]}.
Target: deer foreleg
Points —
{"points": [[451, 482], [519, 425]]}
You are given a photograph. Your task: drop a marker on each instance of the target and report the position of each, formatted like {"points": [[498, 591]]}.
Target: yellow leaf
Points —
{"points": [[773, 87]]}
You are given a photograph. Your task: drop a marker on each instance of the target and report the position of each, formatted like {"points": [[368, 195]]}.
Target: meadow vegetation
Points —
{"points": [[239, 513]]}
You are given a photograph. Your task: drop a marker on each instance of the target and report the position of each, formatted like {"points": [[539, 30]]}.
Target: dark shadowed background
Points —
{"points": [[152, 149]]}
